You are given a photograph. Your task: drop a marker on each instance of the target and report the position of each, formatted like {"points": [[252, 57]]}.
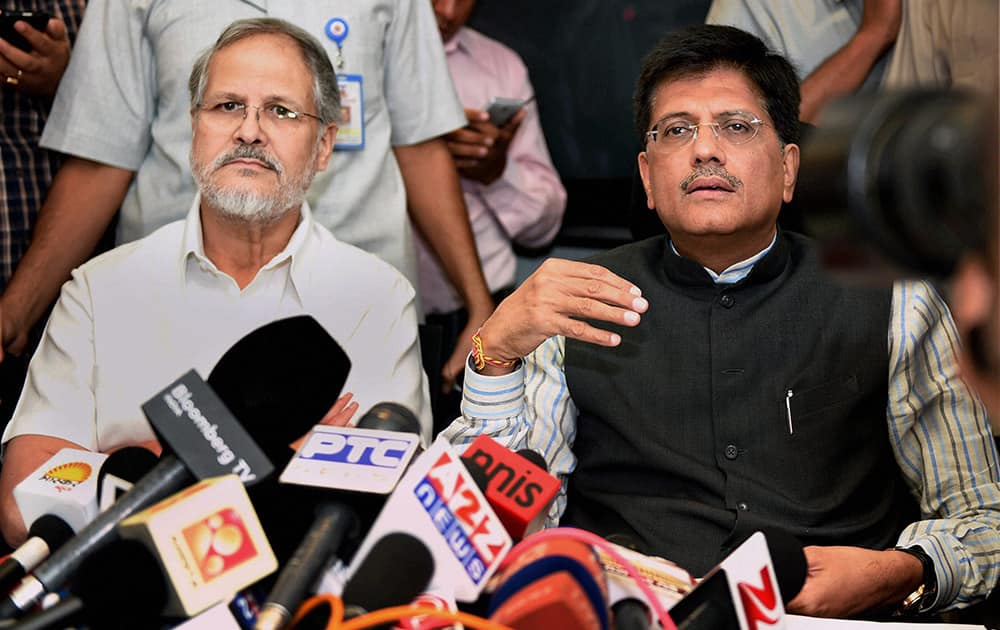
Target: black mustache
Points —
{"points": [[711, 171]]}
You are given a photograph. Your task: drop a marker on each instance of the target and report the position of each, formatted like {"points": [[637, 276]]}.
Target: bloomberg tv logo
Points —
{"points": [[353, 447]]}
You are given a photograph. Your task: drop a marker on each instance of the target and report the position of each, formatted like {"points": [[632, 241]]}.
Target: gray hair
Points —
{"points": [[326, 93]]}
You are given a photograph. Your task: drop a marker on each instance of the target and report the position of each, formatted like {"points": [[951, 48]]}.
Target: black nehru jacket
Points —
{"points": [[684, 439]]}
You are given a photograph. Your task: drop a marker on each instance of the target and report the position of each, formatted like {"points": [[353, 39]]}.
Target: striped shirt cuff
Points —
{"points": [[493, 397]]}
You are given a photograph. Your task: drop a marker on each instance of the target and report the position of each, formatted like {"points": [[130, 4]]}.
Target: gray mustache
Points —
{"points": [[247, 152], [711, 171]]}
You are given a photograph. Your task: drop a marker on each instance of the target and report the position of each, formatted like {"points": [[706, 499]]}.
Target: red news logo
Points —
{"points": [[453, 486], [516, 485], [760, 603]]}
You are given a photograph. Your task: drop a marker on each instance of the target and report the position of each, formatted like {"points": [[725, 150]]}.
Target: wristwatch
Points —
{"points": [[926, 591]]}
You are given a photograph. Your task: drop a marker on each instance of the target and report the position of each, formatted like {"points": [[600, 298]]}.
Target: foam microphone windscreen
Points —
{"points": [[789, 562], [52, 529], [122, 587], [534, 457], [398, 568], [119, 586], [280, 380], [390, 416], [121, 469]]}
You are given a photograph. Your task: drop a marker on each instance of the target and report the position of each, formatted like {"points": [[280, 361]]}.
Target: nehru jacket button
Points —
{"points": [[727, 300], [742, 506], [731, 452]]}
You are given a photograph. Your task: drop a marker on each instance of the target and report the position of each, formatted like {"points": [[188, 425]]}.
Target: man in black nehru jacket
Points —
{"points": [[692, 388], [264, 106]]}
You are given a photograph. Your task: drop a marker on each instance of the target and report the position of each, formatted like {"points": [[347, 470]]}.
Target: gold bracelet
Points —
{"points": [[481, 360]]}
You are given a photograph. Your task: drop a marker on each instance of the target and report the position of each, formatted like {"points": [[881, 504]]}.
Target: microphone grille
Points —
{"points": [[397, 568], [534, 457], [789, 562], [129, 463], [122, 586], [390, 416], [52, 529], [280, 379]]}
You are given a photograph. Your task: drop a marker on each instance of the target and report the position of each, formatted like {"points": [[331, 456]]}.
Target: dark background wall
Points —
{"points": [[583, 57]]}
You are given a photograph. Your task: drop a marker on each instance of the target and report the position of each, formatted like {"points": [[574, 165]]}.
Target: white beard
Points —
{"points": [[243, 205]]}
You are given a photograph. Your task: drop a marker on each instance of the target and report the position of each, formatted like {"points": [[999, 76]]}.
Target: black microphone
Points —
{"points": [[534, 457], [332, 523], [397, 569], [289, 372], [120, 586], [630, 614], [711, 604], [293, 343], [338, 512], [48, 532], [120, 471]]}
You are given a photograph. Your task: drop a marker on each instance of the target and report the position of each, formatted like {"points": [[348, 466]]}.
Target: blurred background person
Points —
{"points": [[512, 191], [837, 46], [28, 81]]}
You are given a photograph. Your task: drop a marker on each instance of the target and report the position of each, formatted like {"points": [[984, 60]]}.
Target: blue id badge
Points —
{"points": [[351, 132]]}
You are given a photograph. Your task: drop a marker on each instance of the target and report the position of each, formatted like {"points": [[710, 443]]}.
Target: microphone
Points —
{"points": [[390, 416], [312, 371], [558, 583], [332, 522], [204, 438], [48, 532], [71, 508], [64, 486], [120, 471], [208, 541], [630, 614], [361, 465], [396, 569], [120, 586], [748, 588], [438, 502], [519, 489], [667, 582]]}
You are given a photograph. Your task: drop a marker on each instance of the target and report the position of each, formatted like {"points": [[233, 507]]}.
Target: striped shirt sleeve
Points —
{"points": [[944, 446], [528, 408]]}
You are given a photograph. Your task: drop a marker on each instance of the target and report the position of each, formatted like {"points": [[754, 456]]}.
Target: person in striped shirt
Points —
{"points": [[695, 387]]}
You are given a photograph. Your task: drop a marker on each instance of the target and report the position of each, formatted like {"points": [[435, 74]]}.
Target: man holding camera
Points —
{"points": [[730, 384]]}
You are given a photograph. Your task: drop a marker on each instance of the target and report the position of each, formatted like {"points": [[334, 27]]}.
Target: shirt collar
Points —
{"points": [[194, 243], [458, 43], [737, 271]]}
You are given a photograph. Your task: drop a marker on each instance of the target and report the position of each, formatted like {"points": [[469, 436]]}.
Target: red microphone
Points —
{"points": [[519, 490], [557, 583]]}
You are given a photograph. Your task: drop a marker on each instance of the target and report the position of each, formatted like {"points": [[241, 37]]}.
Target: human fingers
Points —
{"points": [[341, 412], [579, 279], [453, 367], [476, 115], [467, 150], [13, 59], [46, 41]]}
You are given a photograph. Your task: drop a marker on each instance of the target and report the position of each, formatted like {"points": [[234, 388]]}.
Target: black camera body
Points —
{"points": [[901, 172]]}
